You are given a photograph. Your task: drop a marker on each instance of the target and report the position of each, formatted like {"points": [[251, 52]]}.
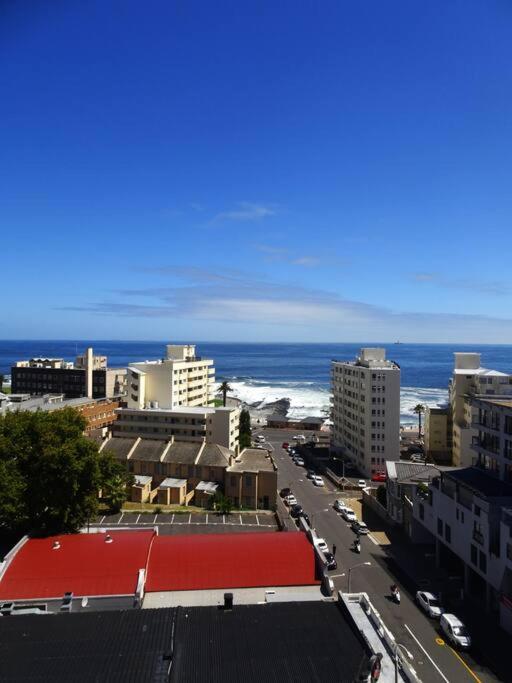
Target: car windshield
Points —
{"points": [[460, 631], [434, 602]]}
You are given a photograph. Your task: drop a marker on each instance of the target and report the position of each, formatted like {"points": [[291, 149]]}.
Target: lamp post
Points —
{"points": [[360, 564], [399, 648]]}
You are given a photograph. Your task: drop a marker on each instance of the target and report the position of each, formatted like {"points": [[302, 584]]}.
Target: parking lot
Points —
{"points": [[190, 523]]}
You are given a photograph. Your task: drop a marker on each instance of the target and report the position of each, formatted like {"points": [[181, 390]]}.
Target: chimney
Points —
{"points": [[89, 362]]}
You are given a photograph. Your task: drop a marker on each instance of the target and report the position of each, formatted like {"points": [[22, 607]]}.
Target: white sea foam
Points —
{"points": [[308, 399]]}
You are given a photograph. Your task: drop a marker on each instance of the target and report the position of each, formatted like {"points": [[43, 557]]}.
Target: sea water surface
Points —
{"points": [[300, 372]]}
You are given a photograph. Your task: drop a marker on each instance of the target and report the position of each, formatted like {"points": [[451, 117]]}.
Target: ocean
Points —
{"points": [[299, 372]]}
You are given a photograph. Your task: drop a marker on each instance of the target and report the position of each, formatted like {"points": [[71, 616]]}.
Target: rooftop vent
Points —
{"points": [[56, 545], [108, 538]]}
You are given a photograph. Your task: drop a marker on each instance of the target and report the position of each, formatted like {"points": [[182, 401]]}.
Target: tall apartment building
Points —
{"points": [[438, 434], [179, 379], [366, 409], [211, 425], [468, 512], [88, 377], [469, 381]]}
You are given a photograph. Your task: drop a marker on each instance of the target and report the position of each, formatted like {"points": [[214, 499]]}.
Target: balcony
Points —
{"points": [[478, 536]]}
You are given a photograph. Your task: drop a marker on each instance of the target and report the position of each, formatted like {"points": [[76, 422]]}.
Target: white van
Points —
{"points": [[455, 631]]}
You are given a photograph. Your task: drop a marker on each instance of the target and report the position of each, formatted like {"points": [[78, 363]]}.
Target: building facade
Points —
{"points": [[179, 379], [212, 425], [366, 410], [87, 377], [438, 434]]}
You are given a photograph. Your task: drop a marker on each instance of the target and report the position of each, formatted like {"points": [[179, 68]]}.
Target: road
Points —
{"points": [[433, 660]]}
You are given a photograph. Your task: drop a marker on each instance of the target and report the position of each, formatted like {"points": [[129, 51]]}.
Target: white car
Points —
{"points": [[321, 545], [260, 438], [317, 481], [349, 515], [299, 461], [430, 604], [290, 500], [359, 527], [339, 505], [299, 437], [361, 483], [455, 631]]}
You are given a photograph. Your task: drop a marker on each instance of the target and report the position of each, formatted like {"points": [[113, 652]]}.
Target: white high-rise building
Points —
{"points": [[179, 379], [366, 410]]}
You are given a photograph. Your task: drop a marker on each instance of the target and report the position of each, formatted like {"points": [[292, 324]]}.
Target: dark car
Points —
{"points": [[285, 445], [296, 510], [310, 474], [285, 492], [331, 561]]}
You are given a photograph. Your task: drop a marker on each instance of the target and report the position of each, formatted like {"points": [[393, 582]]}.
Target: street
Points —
{"points": [[434, 660]]}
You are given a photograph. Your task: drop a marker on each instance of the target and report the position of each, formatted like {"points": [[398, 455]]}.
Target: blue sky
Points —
{"points": [[306, 171]]}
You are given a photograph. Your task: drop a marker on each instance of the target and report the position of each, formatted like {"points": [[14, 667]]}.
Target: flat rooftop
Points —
{"points": [[252, 459], [481, 483]]}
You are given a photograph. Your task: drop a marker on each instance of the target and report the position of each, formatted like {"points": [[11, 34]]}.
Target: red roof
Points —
{"points": [[84, 564], [239, 560]]}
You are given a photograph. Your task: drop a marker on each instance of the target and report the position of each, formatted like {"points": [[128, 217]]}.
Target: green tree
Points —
{"points": [[2, 380], [224, 389], [245, 429], [50, 473], [115, 482], [419, 409]]}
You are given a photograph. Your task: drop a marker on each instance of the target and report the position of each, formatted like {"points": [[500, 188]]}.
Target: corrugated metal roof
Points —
{"points": [[84, 564], [119, 446], [240, 560]]}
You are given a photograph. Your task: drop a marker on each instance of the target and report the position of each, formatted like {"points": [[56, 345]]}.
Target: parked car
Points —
{"points": [[349, 515], [317, 481], [305, 517], [455, 631], [299, 461], [260, 438], [285, 492], [299, 437], [321, 545], [359, 527], [331, 561], [430, 604], [290, 500], [296, 510], [380, 476], [361, 483], [339, 505], [310, 474], [292, 452], [285, 445]]}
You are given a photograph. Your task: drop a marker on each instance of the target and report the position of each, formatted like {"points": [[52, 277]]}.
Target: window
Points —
{"points": [[439, 526], [474, 554], [448, 533], [483, 562], [477, 511], [248, 480], [422, 511]]}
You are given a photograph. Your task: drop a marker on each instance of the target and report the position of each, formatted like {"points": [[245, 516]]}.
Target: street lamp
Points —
{"points": [[361, 564], [397, 650]]}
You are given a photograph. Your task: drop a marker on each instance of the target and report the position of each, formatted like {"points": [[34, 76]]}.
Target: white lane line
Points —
{"points": [[190, 518], [223, 519], [154, 521], [137, 520], [172, 520], [102, 519], [373, 540], [120, 518], [257, 520], [207, 518], [241, 523], [430, 658]]}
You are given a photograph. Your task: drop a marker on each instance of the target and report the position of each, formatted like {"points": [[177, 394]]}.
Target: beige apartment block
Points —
{"points": [[179, 379], [469, 381], [366, 410], [438, 434], [212, 425]]}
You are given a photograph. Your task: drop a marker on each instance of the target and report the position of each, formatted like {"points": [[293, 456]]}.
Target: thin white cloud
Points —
{"points": [[245, 211], [472, 284]]}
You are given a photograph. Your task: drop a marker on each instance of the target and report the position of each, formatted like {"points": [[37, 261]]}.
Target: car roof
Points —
{"points": [[452, 619], [428, 595]]}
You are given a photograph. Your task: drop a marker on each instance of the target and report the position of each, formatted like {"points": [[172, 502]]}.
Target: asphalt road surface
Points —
{"points": [[434, 660]]}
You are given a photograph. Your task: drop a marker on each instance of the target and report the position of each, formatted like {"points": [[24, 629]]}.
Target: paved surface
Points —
{"points": [[433, 661], [192, 523]]}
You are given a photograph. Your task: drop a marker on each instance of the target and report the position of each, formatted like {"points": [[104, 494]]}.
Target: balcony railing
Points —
{"points": [[478, 536]]}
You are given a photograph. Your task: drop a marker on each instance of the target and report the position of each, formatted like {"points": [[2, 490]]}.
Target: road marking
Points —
{"points": [[172, 520], [336, 576], [257, 520], [190, 518], [137, 520], [102, 519], [465, 665], [120, 518], [430, 658], [373, 540], [154, 521], [439, 641], [223, 519]]}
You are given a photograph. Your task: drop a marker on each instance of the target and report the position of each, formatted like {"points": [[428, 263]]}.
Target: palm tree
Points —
{"points": [[419, 410], [224, 389]]}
